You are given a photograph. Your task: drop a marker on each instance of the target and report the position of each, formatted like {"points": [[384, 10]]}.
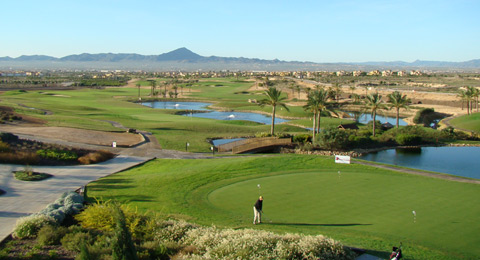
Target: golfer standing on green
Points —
{"points": [[257, 210]]}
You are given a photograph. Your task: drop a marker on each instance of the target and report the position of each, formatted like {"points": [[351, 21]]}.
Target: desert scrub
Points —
{"points": [[29, 226]]}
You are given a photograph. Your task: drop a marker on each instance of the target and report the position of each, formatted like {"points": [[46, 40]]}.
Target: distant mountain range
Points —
{"points": [[184, 59]]}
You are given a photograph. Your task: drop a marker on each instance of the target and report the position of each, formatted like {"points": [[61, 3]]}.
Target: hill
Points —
{"points": [[185, 59]]}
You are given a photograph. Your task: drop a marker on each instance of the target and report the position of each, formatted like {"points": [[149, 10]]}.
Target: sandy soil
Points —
{"points": [[76, 135]]}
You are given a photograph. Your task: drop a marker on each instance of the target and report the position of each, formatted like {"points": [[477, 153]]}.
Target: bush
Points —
{"points": [[101, 217], [408, 139], [19, 158], [96, 157], [51, 235], [213, 243], [153, 250], [333, 139], [57, 154], [74, 241], [8, 137], [4, 147], [29, 226], [263, 134], [302, 138], [68, 204], [426, 116]]}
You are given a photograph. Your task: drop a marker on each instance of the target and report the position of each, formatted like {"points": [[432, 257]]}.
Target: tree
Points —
{"points": [[398, 101], [317, 102], [273, 99], [153, 84], [138, 86], [122, 244], [373, 102]]}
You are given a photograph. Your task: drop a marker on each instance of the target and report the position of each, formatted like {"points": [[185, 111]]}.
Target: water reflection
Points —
{"points": [[212, 114], [460, 161]]}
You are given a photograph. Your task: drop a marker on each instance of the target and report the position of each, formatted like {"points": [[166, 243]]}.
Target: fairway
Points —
{"points": [[362, 206]]}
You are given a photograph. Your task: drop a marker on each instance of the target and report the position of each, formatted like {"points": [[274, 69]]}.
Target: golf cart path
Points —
{"points": [[422, 173], [23, 198]]}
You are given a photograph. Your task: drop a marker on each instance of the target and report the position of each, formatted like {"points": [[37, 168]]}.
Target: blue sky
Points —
{"points": [[318, 31]]}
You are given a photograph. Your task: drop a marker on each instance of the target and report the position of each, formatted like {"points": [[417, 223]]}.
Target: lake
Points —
{"points": [[459, 161], [364, 118], [218, 115]]}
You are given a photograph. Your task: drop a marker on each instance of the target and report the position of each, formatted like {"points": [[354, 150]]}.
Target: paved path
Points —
{"points": [[24, 198]]}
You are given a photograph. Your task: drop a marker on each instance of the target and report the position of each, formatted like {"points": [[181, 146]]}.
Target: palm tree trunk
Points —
{"points": [[374, 116], [318, 121], [398, 114], [314, 124], [272, 130]]}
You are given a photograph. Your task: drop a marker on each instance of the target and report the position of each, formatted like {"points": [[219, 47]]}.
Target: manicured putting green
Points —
{"points": [[377, 204]]}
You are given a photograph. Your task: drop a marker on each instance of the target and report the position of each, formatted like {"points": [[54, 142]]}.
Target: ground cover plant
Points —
{"points": [[20, 151], [359, 205]]}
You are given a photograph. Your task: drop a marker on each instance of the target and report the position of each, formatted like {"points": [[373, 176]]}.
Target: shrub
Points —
{"points": [[408, 139], [173, 231], [122, 244], [302, 138], [213, 243], [73, 241], [29, 175], [263, 134], [4, 147], [96, 157], [8, 137], [57, 154], [68, 204], [426, 116], [29, 226], [19, 158], [154, 250], [51, 235], [333, 139], [101, 217]]}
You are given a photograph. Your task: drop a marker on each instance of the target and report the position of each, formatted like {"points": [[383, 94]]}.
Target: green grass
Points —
{"points": [[467, 122], [363, 206], [92, 108]]}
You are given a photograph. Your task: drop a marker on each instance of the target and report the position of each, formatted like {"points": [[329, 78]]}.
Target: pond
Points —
{"points": [[218, 115], [459, 161], [218, 142], [364, 118]]}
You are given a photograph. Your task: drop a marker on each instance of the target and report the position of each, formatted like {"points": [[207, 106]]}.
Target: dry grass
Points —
{"points": [[28, 158], [96, 157]]}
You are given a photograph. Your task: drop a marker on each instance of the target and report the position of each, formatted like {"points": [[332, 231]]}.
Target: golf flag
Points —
{"points": [[342, 159]]}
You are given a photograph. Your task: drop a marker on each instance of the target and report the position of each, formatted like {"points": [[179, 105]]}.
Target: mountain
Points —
{"points": [[185, 59]]}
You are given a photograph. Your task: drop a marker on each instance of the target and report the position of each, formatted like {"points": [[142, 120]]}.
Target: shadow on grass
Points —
{"points": [[313, 225], [110, 183]]}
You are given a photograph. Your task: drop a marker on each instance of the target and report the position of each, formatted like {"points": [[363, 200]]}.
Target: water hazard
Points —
{"points": [[218, 115], [459, 161]]}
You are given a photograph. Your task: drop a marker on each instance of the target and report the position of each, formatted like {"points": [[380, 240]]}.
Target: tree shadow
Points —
{"points": [[319, 224], [110, 183]]}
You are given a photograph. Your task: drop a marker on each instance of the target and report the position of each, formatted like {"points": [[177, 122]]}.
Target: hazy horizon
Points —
{"points": [[315, 31]]}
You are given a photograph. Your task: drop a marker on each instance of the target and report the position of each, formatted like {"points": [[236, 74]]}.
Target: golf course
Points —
{"points": [[361, 206]]}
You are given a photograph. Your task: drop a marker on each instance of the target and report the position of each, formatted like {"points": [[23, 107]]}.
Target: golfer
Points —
{"points": [[257, 210]]}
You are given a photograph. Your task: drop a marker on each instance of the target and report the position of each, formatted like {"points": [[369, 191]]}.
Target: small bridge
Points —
{"points": [[253, 144]]}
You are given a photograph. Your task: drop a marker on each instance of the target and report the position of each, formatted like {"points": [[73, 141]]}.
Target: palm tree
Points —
{"points": [[373, 102], [273, 99], [398, 101], [316, 103], [153, 84], [138, 86]]}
